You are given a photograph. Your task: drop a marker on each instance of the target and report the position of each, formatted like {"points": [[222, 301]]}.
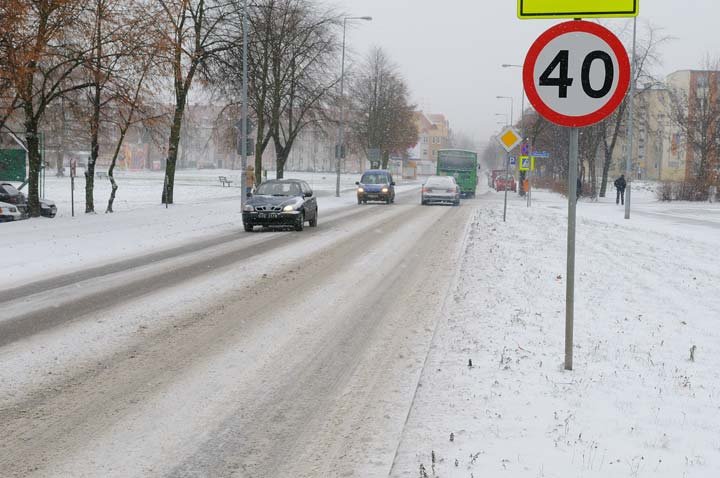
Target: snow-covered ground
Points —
{"points": [[40, 248], [635, 404]]}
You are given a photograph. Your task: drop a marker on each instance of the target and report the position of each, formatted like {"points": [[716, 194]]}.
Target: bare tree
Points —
{"points": [[382, 114], [303, 72], [696, 114], [195, 31], [116, 30], [42, 55], [647, 57]]}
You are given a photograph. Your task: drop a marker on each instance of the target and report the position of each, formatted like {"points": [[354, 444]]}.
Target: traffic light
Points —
{"points": [[340, 151]]}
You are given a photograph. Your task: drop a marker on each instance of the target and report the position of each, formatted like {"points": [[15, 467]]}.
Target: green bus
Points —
{"points": [[461, 164]]}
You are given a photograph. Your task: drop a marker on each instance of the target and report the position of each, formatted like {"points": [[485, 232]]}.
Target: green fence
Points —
{"points": [[13, 165]]}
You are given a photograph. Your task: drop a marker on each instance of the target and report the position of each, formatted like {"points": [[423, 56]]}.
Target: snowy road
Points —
{"points": [[271, 354]]}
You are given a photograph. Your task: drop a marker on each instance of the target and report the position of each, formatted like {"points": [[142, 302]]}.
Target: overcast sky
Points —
{"points": [[450, 51]]}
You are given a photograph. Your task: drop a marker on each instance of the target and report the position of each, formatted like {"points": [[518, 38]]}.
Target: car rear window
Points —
{"points": [[441, 182], [374, 178]]}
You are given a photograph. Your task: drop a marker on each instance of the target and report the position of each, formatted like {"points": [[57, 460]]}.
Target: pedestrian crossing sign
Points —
{"points": [[527, 163]]}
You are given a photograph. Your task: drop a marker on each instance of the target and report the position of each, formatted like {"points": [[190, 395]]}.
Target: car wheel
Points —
{"points": [[300, 224], [360, 201], [249, 227], [313, 221], [387, 201]]}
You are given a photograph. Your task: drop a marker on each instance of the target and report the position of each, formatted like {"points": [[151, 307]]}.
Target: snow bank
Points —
{"points": [[635, 405]]}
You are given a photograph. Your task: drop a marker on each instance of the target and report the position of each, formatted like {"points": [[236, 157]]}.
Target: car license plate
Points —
{"points": [[263, 215]]}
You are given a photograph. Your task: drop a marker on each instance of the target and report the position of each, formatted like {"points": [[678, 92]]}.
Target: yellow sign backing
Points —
{"points": [[532, 9]]}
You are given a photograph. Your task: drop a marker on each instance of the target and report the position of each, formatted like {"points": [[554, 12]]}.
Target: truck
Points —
{"points": [[463, 166]]}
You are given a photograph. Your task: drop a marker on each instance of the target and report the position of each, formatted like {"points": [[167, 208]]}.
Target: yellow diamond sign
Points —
{"points": [[529, 9], [509, 138]]}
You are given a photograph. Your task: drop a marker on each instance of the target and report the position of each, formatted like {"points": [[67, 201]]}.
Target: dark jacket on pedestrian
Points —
{"points": [[620, 183]]}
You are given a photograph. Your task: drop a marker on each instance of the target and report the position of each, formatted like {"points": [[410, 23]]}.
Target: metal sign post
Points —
{"points": [[570, 282], [576, 74], [73, 171], [509, 139]]}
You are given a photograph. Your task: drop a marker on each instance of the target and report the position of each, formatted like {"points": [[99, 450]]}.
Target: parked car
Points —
{"points": [[494, 175], [47, 208], [376, 185], [9, 212], [440, 190], [505, 183], [281, 202], [10, 194]]}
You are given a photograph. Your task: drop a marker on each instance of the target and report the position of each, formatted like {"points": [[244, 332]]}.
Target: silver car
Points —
{"points": [[440, 190]]}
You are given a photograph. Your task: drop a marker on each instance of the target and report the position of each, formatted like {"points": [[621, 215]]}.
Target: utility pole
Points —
{"points": [[244, 107], [340, 148], [631, 103]]}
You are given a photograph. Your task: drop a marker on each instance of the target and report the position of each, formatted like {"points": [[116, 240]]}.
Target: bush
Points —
{"points": [[685, 191]]}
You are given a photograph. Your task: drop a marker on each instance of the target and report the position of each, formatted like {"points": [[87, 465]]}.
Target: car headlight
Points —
{"points": [[361, 190], [249, 208], [289, 208], [385, 190]]}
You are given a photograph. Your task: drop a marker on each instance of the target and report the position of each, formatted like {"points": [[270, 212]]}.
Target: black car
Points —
{"points": [[9, 194], [281, 202]]}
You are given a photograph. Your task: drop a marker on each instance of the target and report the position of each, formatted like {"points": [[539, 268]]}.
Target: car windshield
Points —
{"points": [[277, 188], [441, 182], [374, 178], [10, 189]]}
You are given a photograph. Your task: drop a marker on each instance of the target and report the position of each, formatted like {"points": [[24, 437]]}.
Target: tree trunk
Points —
{"points": [[33, 145], [605, 172], [111, 171], [94, 150], [95, 119], [174, 143], [385, 159]]}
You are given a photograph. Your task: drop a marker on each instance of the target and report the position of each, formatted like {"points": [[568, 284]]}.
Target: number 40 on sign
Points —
{"points": [[576, 73]]}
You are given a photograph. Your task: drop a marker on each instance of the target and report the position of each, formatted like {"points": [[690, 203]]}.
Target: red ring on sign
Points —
{"points": [[623, 74]]}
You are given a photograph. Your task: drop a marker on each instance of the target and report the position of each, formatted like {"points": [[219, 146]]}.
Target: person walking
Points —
{"points": [[578, 191], [249, 180], [620, 185]]}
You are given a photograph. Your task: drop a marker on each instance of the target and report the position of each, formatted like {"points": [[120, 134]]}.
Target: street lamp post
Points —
{"points": [[339, 150], [511, 105], [522, 100], [504, 115], [522, 129], [244, 114]]}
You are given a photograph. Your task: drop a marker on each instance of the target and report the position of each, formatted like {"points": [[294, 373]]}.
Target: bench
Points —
{"points": [[101, 174], [224, 181]]}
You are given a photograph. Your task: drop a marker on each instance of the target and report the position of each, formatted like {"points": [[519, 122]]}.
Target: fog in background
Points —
{"points": [[450, 51]]}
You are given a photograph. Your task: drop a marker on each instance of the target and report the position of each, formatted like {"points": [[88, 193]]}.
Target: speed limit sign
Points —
{"points": [[576, 74]]}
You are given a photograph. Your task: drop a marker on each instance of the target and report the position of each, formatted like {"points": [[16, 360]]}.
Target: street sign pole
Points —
{"points": [[244, 112], [507, 173], [570, 282], [561, 78], [509, 139], [631, 102]]}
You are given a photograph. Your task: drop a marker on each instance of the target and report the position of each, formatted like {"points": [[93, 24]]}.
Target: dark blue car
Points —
{"points": [[376, 185]]}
